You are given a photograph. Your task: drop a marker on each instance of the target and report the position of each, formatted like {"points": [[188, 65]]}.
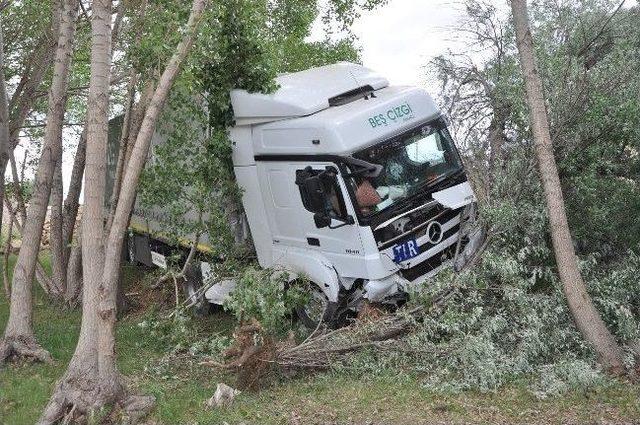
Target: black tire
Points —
{"points": [[192, 284], [310, 314], [131, 249]]}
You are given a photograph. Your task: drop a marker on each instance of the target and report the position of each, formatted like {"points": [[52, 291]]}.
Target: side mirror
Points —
{"points": [[321, 220], [317, 197], [312, 190]]}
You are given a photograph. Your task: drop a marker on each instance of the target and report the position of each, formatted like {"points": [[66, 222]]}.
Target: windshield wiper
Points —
{"points": [[439, 179]]}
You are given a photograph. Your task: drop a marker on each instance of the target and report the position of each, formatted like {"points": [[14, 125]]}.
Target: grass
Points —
{"points": [[322, 399]]}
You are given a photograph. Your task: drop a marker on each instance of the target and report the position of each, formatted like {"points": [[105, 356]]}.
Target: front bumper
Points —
{"points": [[463, 238]]}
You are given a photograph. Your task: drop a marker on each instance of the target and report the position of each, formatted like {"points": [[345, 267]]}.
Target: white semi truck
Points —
{"points": [[355, 184]]}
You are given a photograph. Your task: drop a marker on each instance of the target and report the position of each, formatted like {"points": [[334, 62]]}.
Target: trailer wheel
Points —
{"points": [[192, 290], [131, 249], [318, 309]]}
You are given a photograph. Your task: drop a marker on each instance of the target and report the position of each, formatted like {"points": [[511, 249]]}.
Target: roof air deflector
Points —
{"points": [[351, 95]]}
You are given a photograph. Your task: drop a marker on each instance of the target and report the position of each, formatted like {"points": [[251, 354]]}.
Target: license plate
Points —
{"points": [[158, 259], [405, 250]]}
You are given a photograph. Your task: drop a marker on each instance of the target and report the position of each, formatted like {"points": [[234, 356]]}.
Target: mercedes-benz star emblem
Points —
{"points": [[434, 232]]}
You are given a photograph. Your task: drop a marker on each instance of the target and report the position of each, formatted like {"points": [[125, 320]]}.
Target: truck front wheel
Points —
{"points": [[318, 309], [193, 291]]}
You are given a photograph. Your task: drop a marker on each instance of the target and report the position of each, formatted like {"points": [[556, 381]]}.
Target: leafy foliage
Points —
{"points": [[508, 318], [265, 295]]}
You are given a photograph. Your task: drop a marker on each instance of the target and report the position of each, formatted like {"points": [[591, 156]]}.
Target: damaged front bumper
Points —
{"points": [[458, 251]]}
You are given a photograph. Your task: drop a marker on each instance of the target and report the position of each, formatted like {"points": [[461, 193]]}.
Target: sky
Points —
{"points": [[400, 38]]}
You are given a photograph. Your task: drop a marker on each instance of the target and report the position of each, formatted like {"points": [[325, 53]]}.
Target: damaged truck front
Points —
{"points": [[354, 184]]}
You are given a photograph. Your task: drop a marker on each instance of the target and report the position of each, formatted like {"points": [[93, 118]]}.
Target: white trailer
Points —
{"points": [[353, 183]]}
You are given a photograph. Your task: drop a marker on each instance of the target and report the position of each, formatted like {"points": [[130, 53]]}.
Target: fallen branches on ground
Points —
{"points": [[254, 353]]}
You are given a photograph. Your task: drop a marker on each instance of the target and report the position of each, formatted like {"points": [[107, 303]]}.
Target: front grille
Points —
{"points": [[428, 245], [429, 264], [443, 217]]}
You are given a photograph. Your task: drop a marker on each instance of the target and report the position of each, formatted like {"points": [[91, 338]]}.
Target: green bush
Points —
{"points": [[265, 295]]}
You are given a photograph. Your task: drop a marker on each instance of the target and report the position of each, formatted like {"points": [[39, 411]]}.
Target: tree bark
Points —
{"points": [[56, 243], [4, 119], [74, 272], [72, 201], [19, 332], [7, 253], [584, 313], [110, 384]]}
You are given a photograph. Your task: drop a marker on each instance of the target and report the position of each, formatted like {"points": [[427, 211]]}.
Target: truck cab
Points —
{"points": [[355, 184]]}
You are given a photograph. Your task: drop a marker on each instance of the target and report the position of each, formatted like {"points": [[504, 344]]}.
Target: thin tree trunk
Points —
{"points": [[122, 147], [4, 120], [138, 115], [126, 134], [72, 201], [56, 243], [496, 139], [584, 313], [110, 385], [19, 340], [24, 97], [74, 272], [7, 253], [41, 276]]}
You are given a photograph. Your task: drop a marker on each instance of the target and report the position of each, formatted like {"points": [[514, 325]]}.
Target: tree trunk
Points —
{"points": [[74, 272], [496, 138], [4, 120], [584, 313], [24, 97], [7, 253], [19, 340], [122, 147], [136, 120], [41, 276], [127, 137], [111, 388], [72, 201], [56, 243]]}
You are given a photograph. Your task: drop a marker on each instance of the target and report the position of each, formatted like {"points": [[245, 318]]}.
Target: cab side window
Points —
{"points": [[331, 203]]}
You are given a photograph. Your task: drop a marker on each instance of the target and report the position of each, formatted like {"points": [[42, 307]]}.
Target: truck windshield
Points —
{"points": [[411, 163]]}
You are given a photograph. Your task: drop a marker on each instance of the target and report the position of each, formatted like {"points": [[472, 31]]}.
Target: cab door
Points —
{"points": [[292, 219], [340, 242]]}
